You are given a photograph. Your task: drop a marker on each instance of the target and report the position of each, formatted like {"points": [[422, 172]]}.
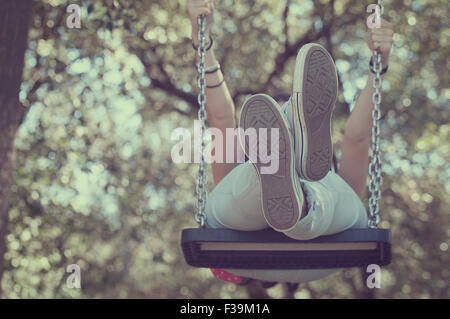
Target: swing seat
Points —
{"points": [[268, 249]]}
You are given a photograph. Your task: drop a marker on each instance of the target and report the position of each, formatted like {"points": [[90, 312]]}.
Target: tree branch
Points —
{"points": [[166, 84]]}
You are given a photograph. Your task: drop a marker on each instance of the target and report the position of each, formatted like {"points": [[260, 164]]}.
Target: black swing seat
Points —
{"points": [[268, 249]]}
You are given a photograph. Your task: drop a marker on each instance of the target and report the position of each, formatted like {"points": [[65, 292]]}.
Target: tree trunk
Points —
{"points": [[15, 16]]}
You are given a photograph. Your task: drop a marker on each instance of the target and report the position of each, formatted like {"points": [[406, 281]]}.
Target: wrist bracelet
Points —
{"points": [[212, 69], [215, 86], [383, 71], [209, 44]]}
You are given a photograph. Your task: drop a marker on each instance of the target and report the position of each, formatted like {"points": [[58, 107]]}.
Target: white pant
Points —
{"points": [[235, 203]]}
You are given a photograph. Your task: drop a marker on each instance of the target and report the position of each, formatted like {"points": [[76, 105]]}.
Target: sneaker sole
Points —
{"points": [[314, 95], [282, 202]]}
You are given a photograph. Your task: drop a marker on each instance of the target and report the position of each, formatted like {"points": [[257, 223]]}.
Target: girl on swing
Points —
{"points": [[303, 199]]}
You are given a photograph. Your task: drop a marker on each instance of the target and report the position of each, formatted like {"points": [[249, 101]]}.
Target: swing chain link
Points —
{"points": [[202, 176], [376, 180]]}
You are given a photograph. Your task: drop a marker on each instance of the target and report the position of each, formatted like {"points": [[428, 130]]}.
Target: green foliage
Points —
{"points": [[94, 181]]}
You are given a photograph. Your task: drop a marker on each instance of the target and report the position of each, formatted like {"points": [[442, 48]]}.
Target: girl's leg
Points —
{"points": [[235, 202], [333, 207]]}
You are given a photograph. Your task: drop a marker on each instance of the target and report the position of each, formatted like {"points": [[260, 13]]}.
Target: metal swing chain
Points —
{"points": [[202, 176], [376, 180]]}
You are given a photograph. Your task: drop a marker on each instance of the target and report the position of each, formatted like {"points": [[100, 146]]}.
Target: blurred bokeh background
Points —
{"points": [[93, 181]]}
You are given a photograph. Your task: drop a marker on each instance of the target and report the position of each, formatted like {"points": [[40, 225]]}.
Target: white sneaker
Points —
{"points": [[313, 98], [282, 196]]}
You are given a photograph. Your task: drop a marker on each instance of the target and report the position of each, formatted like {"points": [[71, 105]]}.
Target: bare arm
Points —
{"points": [[219, 104], [355, 148], [358, 129]]}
